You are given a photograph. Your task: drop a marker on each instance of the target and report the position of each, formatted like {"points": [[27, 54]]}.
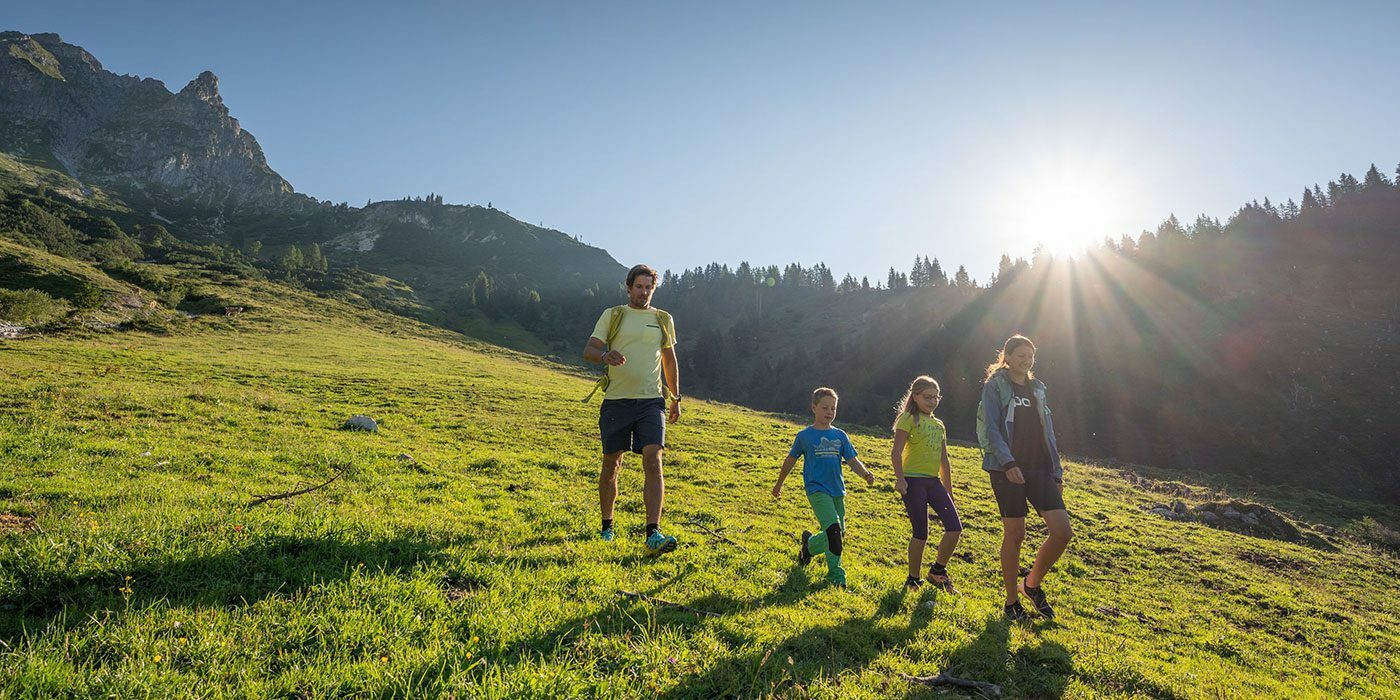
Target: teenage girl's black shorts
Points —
{"points": [[1040, 489]]}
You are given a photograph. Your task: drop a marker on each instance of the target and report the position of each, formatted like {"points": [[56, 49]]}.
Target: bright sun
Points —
{"points": [[1067, 216], [1069, 203]]}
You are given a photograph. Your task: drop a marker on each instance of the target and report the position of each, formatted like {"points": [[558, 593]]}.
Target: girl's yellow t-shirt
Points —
{"points": [[923, 451]]}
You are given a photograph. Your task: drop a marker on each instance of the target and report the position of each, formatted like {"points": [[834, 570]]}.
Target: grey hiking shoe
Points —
{"points": [[1037, 598], [803, 556]]}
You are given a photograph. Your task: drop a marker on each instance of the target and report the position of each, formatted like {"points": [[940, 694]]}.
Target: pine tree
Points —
{"points": [[918, 276], [961, 281], [315, 259], [293, 259], [1375, 180], [936, 276], [1310, 202], [1206, 228]]}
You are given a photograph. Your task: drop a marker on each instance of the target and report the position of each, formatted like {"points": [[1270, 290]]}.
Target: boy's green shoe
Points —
{"points": [[606, 535], [661, 544]]}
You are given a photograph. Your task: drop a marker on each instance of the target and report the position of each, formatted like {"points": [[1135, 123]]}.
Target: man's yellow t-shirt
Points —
{"points": [[639, 340], [923, 451]]}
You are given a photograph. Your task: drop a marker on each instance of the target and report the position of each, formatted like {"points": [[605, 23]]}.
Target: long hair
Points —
{"points": [[1010, 346], [906, 404]]}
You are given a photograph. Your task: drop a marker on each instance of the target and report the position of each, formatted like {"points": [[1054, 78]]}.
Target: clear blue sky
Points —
{"points": [[858, 134]]}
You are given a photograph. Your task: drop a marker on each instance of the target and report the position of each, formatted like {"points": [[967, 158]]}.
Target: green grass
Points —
{"points": [[473, 570], [36, 55]]}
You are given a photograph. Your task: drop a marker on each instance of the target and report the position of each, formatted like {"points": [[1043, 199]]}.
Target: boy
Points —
{"points": [[823, 449]]}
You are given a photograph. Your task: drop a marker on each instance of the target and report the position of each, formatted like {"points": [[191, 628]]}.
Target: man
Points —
{"points": [[637, 343]]}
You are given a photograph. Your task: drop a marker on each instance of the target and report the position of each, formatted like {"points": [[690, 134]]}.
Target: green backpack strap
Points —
{"points": [[663, 320], [614, 325]]}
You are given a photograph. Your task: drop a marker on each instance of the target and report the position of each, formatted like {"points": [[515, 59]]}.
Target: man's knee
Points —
{"points": [[612, 464], [833, 539], [651, 460]]}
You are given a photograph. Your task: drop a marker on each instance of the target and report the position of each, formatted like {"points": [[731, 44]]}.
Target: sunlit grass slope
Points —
{"points": [[468, 566]]}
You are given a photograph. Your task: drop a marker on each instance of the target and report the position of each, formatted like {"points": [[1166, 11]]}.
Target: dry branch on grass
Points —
{"points": [[990, 689], [658, 601], [259, 500], [717, 534]]}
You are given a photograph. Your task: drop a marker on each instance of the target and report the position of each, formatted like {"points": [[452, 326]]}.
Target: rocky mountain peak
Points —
{"points": [[130, 133], [205, 87]]}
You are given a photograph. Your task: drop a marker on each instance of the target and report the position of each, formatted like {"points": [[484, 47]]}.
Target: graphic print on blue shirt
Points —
{"points": [[822, 453]]}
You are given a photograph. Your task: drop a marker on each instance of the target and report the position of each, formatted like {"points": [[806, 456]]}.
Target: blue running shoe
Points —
{"points": [[661, 544], [606, 535]]}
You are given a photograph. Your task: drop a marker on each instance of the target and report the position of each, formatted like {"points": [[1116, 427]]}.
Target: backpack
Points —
{"points": [[1003, 395], [663, 320]]}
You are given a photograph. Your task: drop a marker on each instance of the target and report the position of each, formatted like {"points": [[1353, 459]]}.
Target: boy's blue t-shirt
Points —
{"points": [[823, 452]]}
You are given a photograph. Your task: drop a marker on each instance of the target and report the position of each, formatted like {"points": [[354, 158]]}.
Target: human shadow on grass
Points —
{"points": [[623, 617], [822, 651], [1041, 670], [239, 576]]}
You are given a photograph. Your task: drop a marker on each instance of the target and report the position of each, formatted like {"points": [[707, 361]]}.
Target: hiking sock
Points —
{"points": [[607, 523], [652, 527]]}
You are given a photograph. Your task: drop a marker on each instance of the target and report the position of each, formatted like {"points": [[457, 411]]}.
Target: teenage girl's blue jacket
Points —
{"points": [[1000, 419]]}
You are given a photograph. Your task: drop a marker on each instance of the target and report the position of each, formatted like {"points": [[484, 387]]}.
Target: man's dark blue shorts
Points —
{"points": [[631, 424]]}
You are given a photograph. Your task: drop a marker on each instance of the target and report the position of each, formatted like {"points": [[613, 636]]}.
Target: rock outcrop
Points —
{"points": [[58, 104]]}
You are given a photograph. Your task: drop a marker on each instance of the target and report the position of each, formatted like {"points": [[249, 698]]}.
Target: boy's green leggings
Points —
{"points": [[831, 513]]}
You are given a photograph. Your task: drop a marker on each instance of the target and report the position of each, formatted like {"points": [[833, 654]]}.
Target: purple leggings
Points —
{"points": [[924, 492]]}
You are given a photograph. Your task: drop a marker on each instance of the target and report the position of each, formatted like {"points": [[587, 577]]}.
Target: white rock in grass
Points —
{"points": [[361, 423]]}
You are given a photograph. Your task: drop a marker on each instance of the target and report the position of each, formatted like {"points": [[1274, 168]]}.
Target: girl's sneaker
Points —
{"points": [[804, 557], [912, 583], [1015, 613], [661, 544], [606, 535], [1037, 598], [941, 580]]}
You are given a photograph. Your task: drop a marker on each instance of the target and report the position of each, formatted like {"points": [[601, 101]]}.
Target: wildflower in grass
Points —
{"points": [[238, 528], [156, 659], [384, 659], [469, 655], [671, 660]]}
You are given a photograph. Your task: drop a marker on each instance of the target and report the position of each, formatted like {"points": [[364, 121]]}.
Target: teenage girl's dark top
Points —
{"points": [[1028, 437]]}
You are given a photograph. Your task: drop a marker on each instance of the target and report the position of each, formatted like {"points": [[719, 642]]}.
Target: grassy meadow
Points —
{"points": [[456, 554]]}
